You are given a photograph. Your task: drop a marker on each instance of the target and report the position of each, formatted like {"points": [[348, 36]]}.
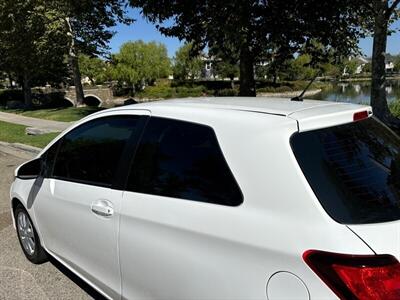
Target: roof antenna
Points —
{"points": [[300, 97]]}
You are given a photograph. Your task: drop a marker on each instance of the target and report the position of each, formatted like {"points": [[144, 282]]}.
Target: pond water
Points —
{"points": [[357, 92]]}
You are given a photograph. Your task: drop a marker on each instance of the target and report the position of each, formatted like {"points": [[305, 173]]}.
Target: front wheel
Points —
{"points": [[28, 237]]}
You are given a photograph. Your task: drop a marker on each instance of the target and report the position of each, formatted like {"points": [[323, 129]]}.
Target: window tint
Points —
{"points": [[91, 152], [183, 160], [354, 170], [48, 159]]}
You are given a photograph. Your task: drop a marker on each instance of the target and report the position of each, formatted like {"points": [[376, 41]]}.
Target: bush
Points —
{"points": [[10, 95], [395, 108], [39, 99], [288, 86], [50, 100], [226, 92], [165, 92]]}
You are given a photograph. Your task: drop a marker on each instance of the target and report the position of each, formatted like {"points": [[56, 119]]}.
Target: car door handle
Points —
{"points": [[102, 208]]}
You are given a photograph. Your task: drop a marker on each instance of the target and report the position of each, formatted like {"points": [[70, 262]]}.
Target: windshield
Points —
{"points": [[354, 170]]}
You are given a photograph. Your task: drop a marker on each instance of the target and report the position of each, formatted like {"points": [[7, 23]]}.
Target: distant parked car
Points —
{"points": [[224, 198]]}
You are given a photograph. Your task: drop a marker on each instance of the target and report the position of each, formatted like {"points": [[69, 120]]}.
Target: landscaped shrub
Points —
{"points": [[395, 108], [226, 92], [50, 100], [165, 92], [10, 95], [39, 99]]}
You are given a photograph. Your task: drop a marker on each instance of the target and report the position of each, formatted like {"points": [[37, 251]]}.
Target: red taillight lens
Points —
{"points": [[360, 115], [357, 276]]}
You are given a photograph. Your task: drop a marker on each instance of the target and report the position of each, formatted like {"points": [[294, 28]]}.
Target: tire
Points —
{"points": [[28, 237]]}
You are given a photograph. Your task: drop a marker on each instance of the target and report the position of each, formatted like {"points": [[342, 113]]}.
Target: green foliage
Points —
{"points": [[91, 22], [368, 68], [10, 95], [226, 93], [255, 30], [94, 68], [397, 63], [13, 133], [32, 42], [299, 69], [224, 69], [332, 70], [187, 65], [290, 86], [165, 92], [350, 66], [139, 63], [395, 108]]}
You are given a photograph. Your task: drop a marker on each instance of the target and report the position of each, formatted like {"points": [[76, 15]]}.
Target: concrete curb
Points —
{"points": [[20, 150]]}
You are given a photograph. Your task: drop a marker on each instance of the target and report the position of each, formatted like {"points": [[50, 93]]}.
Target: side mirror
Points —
{"points": [[31, 169]]}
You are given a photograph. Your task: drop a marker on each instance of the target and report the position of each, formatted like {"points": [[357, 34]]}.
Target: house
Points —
{"points": [[359, 64], [389, 66]]}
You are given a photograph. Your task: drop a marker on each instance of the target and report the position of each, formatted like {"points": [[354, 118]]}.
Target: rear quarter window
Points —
{"points": [[183, 160], [353, 169]]}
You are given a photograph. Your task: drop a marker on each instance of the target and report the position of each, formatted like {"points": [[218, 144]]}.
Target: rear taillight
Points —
{"points": [[361, 115], [357, 276]]}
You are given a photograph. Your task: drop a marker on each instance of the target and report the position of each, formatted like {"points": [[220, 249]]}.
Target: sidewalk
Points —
{"points": [[47, 125]]}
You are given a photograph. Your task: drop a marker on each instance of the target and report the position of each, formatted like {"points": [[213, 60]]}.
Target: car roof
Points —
{"points": [[309, 113], [276, 106]]}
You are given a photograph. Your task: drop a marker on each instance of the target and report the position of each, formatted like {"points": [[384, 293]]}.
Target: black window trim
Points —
{"points": [[119, 182], [190, 122]]}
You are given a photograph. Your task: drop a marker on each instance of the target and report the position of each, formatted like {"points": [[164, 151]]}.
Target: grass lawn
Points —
{"points": [[13, 133], [69, 114]]}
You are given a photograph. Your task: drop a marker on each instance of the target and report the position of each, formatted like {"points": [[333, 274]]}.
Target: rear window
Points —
{"points": [[354, 170]]}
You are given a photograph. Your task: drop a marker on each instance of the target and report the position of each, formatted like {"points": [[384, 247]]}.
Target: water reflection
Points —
{"points": [[357, 92]]}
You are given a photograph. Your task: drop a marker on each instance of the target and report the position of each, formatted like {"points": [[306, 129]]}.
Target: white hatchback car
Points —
{"points": [[222, 198]]}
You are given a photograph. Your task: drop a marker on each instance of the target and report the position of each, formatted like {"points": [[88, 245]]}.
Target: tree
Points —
{"points": [[92, 67], [350, 66], [225, 66], [139, 63], [226, 69], [397, 64], [367, 68], [256, 29], [32, 45], [383, 12], [299, 68], [87, 24], [187, 63]]}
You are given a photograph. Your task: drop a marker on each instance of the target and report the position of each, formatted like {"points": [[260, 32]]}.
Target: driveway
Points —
{"points": [[19, 279]]}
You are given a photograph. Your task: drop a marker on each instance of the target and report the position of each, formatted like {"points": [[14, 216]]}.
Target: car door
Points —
{"points": [[178, 187], [78, 205]]}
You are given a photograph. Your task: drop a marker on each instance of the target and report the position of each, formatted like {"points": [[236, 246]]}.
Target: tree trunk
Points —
{"points": [[232, 83], [378, 91], [10, 80], [274, 78], [74, 64], [77, 80], [26, 87], [247, 82]]}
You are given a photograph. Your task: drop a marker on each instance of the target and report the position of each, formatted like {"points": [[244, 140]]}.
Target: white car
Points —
{"points": [[222, 198]]}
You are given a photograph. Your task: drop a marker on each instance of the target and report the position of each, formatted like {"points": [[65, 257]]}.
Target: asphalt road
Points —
{"points": [[19, 279]]}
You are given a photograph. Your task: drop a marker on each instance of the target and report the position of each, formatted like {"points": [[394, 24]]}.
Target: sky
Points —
{"points": [[143, 30]]}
